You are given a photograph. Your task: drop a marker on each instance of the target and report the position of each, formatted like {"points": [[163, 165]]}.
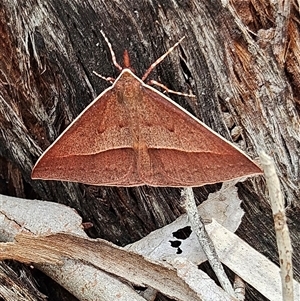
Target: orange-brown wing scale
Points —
{"points": [[133, 135], [97, 148], [181, 151]]}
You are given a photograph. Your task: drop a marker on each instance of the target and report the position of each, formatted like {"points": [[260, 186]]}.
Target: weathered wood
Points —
{"points": [[18, 285], [246, 90]]}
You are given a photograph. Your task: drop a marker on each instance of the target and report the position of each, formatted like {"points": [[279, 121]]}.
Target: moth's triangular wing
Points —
{"points": [[97, 147], [182, 151], [133, 135]]}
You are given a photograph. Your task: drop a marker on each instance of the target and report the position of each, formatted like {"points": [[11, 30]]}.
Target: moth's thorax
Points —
{"points": [[129, 96], [130, 85]]}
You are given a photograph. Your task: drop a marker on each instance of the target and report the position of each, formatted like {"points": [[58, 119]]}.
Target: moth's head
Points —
{"points": [[126, 61]]}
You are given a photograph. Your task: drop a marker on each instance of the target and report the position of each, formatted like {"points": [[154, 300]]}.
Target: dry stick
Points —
{"points": [[239, 288], [204, 239], [281, 228]]}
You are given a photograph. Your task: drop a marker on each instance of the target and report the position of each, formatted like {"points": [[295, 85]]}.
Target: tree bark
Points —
{"points": [[241, 60]]}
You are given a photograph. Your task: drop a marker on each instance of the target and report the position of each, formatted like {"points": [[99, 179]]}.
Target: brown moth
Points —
{"points": [[132, 135]]}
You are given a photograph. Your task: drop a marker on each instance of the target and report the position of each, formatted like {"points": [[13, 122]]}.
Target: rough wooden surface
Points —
{"points": [[246, 81]]}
